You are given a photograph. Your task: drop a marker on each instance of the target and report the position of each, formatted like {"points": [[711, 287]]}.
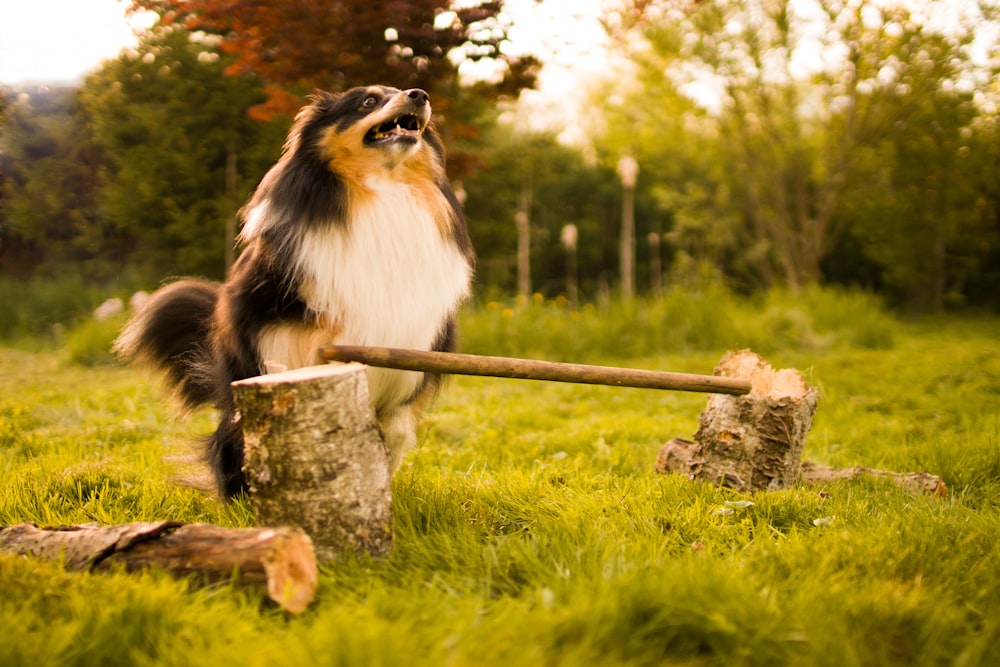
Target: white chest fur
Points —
{"points": [[389, 278]]}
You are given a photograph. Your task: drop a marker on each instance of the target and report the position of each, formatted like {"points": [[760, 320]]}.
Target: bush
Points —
{"points": [[40, 310], [89, 342], [710, 318]]}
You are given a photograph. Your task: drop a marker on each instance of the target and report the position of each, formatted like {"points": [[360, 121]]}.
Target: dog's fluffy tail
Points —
{"points": [[171, 333]]}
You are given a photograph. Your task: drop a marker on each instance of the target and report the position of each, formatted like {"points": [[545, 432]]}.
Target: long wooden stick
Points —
{"points": [[529, 369]]}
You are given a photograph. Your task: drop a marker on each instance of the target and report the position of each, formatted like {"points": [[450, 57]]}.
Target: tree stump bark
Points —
{"points": [[749, 442], [281, 560], [315, 457]]}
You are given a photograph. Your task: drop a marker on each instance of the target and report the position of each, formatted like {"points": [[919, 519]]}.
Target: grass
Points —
{"points": [[530, 527]]}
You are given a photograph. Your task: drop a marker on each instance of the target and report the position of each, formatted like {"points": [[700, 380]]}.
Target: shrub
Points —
{"points": [[710, 318], [89, 342]]}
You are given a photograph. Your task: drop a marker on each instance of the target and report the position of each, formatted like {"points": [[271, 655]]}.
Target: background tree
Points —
{"points": [[795, 96], [170, 124], [4, 169], [51, 170], [295, 46], [564, 188], [913, 200]]}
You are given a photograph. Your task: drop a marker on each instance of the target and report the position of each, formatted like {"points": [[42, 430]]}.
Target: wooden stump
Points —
{"points": [[281, 560], [754, 442], [749, 442], [315, 457]]}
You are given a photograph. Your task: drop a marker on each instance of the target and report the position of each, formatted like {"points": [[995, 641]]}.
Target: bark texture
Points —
{"points": [[749, 442], [281, 560], [315, 457]]}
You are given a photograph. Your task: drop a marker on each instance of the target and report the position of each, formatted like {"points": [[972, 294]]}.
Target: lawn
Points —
{"points": [[530, 525]]}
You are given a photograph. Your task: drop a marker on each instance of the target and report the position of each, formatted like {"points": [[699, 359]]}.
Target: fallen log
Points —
{"points": [[914, 482], [279, 560], [315, 458]]}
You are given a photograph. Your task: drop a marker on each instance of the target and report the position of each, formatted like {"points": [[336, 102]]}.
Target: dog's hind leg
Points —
{"points": [[399, 429]]}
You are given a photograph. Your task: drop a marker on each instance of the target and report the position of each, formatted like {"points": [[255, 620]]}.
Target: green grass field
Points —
{"points": [[531, 527]]}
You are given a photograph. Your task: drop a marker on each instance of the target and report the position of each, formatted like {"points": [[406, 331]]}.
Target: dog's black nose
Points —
{"points": [[418, 96]]}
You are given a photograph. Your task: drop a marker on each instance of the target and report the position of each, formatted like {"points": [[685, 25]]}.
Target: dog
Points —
{"points": [[354, 237]]}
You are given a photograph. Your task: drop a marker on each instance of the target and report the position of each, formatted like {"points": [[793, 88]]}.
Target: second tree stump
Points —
{"points": [[750, 442]]}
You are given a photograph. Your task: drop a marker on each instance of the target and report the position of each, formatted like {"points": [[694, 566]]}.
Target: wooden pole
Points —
{"points": [[315, 458], [279, 559], [529, 369]]}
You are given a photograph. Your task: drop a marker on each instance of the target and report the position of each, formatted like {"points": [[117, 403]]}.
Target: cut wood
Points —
{"points": [[315, 458], [531, 369], [280, 560], [749, 442]]}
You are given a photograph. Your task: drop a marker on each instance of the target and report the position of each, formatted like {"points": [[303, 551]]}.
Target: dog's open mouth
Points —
{"points": [[406, 126]]}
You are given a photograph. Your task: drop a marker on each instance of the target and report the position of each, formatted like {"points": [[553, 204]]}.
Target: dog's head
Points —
{"points": [[365, 129], [341, 149]]}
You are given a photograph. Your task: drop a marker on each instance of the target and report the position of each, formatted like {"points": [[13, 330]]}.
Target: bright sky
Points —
{"points": [[58, 41]]}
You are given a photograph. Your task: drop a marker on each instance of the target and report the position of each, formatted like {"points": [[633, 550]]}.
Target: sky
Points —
{"points": [[58, 41]]}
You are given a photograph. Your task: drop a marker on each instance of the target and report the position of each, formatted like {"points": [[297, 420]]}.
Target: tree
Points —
{"points": [[51, 173], [169, 124], [797, 91], [295, 46], [3, 172], [564, 189], [913, 198]]}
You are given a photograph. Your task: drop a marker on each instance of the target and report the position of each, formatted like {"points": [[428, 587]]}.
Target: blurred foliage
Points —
{"points": [[855, 145], [295, 46], [52, 165], [793, 139], [170, 125]]}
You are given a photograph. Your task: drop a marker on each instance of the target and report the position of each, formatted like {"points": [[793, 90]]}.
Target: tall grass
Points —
{"points": [[711, 318], [37, 314]]}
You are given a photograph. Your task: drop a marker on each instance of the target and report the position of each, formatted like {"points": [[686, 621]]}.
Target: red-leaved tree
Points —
{"points": [[295, 46]]}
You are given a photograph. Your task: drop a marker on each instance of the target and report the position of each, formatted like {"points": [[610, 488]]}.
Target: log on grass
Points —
{"points": [[749, 442], [914, 482], [315, 458], [280, 560]]}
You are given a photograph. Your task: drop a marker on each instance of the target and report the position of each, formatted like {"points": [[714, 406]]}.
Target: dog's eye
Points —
{"points": [[369, 102]]}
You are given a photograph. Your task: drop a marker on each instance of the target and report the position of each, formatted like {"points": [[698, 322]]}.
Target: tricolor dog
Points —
{"points": [[353, 237]]}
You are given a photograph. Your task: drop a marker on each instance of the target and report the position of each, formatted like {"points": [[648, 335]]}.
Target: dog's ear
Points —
{"points": [[320, 102], [323, 99]]}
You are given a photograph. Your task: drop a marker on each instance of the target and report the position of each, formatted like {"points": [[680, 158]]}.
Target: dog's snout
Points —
{"points": [[418, 96]]}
